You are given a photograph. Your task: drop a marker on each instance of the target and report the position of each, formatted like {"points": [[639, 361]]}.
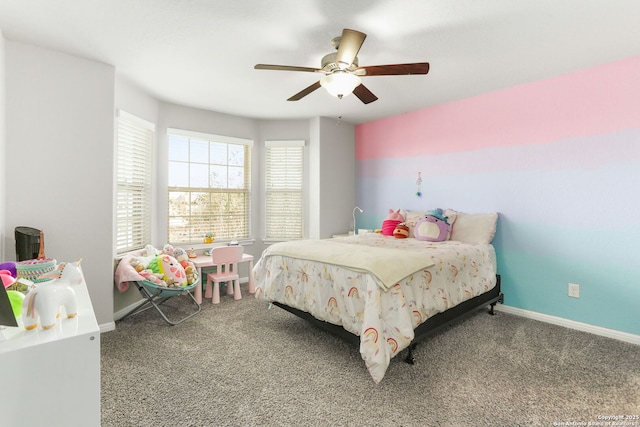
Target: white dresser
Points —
{"points": [[52, 377]]}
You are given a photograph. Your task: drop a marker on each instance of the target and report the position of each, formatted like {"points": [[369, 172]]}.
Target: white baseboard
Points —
{"points": [[106, 327], [121, 313], [111, 326], [571, 324]]}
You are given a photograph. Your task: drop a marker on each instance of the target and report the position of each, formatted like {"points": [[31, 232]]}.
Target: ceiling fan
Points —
{"points": [[342, 73]]}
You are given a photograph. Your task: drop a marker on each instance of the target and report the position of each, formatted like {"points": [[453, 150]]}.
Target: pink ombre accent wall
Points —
{"points": [[559, 159], [583, 103]]}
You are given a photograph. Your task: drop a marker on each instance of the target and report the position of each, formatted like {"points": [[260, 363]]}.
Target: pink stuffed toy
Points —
{"points": [[153, 277], [391, 221], [173, 271]]}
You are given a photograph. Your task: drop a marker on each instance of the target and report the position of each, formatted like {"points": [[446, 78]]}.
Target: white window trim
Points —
{"points": [[210, 136]]}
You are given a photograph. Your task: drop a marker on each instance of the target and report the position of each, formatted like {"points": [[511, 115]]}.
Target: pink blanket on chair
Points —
{"points": [[125, 272]]}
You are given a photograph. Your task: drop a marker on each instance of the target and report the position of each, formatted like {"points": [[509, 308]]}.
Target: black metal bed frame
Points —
{"points": [[424, 330]]}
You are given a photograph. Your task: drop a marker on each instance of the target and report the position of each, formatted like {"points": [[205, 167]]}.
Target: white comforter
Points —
{"points": [[383, 319]]}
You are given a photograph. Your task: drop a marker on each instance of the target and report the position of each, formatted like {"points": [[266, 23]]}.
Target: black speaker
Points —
{"points": [[27, 243]]}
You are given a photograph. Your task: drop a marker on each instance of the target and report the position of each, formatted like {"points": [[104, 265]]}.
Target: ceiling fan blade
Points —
{"points": [[304, 92], [286, 68], [365, 95], [393, 69], [350, 44]]}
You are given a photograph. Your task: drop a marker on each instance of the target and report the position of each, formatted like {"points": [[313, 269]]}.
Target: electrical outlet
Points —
{"points": [[574, 290]]}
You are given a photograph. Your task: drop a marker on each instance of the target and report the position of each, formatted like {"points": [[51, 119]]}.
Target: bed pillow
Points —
{"points": [[412, 218], [473, 228]]}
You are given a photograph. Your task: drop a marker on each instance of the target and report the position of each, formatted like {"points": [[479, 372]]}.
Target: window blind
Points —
{"points": [[209, 187], [284, 182], [134, 154]]}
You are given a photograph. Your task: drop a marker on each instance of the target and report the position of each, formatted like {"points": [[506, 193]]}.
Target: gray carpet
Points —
{"points": [[242, 364]]}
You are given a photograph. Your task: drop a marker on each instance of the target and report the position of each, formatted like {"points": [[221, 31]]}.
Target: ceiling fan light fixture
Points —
{"points": [[340, 83], [342, 72]]}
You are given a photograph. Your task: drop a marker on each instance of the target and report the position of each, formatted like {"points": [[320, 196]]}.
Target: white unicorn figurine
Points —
{"points": [[44, 301]]}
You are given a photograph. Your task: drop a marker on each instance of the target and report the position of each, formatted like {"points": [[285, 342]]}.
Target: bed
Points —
{"points": [[383, 293]]}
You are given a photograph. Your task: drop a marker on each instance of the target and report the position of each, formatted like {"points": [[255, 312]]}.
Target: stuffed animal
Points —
{"points": [[190, 271], [434, 227], [389, 223], [182, 257], [150, 251], [155, 278], [147, 255], [172, 270], [401, 231], [137, 264], [168, 250]]}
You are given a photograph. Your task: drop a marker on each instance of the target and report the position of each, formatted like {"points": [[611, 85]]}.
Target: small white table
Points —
{"points": [[202, 261]]}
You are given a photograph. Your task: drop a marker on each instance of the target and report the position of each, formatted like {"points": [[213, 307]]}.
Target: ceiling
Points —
{"points": [[201, 53]]}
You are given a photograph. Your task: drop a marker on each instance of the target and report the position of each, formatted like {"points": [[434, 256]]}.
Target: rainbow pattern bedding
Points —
{"points": [[384, 319]]}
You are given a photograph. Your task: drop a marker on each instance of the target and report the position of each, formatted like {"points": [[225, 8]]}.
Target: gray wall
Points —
{"points": [[59, 160]]}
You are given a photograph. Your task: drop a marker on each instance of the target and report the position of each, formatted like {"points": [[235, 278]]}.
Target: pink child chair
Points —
{"points": [[225, 259]]}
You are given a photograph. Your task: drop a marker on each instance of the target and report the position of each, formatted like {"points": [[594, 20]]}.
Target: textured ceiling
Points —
{"points": [[201, 53]]}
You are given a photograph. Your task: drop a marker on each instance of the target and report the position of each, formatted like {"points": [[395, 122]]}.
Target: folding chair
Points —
{"points": [[155, 296]]}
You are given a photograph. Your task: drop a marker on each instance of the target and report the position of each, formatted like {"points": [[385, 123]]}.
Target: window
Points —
{"points": [[284, 189], [134, 154], [209, 187]]}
